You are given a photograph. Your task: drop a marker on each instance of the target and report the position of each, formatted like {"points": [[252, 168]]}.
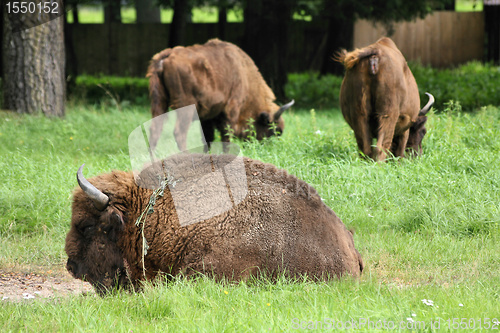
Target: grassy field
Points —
{"points": [[427, 228]]}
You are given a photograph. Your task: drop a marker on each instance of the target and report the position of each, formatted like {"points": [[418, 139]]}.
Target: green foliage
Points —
{"points": [[472, 85], [311, 90], [111, 90]]}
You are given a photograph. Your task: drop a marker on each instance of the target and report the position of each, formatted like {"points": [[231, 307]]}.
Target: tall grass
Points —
{"points": [[427, 228]]}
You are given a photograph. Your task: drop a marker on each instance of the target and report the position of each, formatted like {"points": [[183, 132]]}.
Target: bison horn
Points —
{"points": [[278, 113], [427, 106], [100, 199]]}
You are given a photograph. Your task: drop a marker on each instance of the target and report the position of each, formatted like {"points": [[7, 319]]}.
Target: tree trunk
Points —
{"points": [[2, 18], [69, 46], [76, 19], [112, 11], [221, 22], [340, 34], [147, 12], [113, 20], [266, 40], [178, 26], [492, 27], [450, 5], [33, 67]]}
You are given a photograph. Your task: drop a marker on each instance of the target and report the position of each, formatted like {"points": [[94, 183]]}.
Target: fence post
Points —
{"points": [[492, 30]]}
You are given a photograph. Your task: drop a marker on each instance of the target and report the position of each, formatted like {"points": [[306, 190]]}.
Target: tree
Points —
{"points": [[33, 63], [182, 15], [266, 39], [147, 11], [223, 7], [222, 18], [182, 9], [112, 11], [492, 29]]}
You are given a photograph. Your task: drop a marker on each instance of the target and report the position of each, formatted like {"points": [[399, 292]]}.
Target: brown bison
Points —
{"points": [[222, 82], [379, 99], [281, 226]]}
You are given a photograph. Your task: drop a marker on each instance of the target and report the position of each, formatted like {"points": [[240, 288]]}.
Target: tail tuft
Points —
{"points": [[351, 59], [157, 90]]}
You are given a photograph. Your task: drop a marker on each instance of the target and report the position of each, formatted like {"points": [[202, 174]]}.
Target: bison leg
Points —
{"points": [[387, 125], [157, 123], [155, 132], [362, 132], [182, 124], [223, 128], [208, 131], [399, 144]]}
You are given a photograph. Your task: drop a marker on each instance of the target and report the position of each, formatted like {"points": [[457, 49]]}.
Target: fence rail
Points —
{"points": [[441, 40]]}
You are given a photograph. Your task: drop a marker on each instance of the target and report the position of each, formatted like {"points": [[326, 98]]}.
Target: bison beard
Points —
{"points": [[379, 99], [281, 227]]}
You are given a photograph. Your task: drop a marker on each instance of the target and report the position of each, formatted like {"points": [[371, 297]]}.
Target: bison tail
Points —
{"points": [[339, 56], [351, 59], [157, 89]]}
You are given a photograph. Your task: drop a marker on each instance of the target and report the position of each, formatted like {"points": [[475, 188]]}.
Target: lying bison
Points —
{"points": [[379, 99], [222, 82], [280, 227]]}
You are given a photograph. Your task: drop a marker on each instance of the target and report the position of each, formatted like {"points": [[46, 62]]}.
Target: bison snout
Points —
{"points": [[72, 268]]}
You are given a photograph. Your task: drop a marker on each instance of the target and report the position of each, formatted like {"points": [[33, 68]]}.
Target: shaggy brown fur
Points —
{"points": [[224, 84], [379, 99], [281, 226]]}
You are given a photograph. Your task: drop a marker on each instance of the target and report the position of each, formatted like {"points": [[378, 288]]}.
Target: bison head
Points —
{"points": [[267, 125], [418, 130], [91, 243]]}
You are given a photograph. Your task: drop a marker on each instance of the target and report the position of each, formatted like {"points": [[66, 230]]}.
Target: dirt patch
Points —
{"points": [[20, 286]]}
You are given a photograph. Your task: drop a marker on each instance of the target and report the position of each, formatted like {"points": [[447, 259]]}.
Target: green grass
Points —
{"points": [[427, 228], [469, 5]]}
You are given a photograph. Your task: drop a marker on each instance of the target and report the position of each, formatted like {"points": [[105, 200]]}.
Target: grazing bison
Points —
{"points": [[222, 82], [281, 226], [379, 99]]}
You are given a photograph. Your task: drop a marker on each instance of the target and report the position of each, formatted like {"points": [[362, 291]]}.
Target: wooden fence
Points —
{"points": [[443, 39]]}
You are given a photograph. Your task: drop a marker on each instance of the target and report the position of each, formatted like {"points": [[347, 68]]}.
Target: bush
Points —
{"points": [[313, 91], [471, 85], [117, 90]]}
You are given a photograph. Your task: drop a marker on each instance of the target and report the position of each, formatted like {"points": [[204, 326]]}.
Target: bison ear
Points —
{"points": [[117, 219], [420, 122], [264, 118]]}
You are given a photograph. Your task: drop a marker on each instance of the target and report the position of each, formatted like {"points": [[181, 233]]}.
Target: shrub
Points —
{"points": [[98, 89], [471, 85], [313, 91]]}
